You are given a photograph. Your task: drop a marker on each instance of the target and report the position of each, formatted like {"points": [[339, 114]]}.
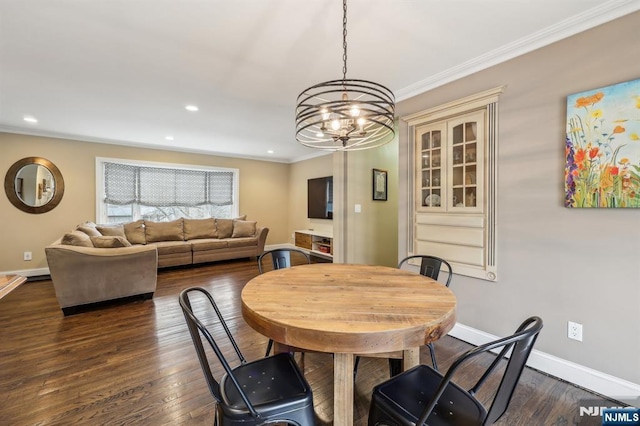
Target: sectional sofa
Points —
{"points": [[95, 263]]}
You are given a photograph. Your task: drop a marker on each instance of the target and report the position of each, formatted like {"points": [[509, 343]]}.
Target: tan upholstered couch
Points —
{"points": [[95, 263]]}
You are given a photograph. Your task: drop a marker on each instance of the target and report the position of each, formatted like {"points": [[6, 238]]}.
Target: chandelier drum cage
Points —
{"points": [[345, 114]]}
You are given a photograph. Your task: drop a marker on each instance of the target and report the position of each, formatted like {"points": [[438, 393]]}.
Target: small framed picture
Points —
{"points": [[379, 185]]}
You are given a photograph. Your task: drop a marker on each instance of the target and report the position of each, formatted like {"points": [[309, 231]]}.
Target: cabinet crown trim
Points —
{"points": [[466, 104]]}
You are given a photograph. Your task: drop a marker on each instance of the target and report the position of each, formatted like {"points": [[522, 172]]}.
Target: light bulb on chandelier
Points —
{"points": [[346, 114]]}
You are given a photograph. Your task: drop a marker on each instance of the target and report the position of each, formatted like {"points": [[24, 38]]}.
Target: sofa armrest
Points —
{"points": [[83, 275], [261, 233]]}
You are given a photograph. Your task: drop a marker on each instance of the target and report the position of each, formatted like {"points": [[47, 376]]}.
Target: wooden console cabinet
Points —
{"points": [[316, 243]]}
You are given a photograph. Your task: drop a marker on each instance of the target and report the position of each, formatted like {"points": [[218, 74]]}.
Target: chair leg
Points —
{"points": [[355, 367], [395, 367], [269, 346], [432, 351]]}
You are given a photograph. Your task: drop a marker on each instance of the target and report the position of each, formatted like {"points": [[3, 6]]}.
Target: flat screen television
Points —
{"points": [[320, 198]]}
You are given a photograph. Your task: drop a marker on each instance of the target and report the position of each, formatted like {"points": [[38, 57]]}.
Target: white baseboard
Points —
{"points": [[278, 246], [596, 381], [28, 272]]}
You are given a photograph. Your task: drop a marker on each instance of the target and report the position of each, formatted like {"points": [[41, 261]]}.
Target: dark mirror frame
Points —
{"points": [[10, 185]]}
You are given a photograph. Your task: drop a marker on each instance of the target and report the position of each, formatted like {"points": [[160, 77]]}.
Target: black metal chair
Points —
{"points": [[430, 266], [281, 258], [264, 391], [422, 394]]}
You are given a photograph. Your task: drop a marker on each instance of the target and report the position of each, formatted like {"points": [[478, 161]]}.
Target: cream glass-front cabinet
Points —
{"points": [[450, 161], [454, 190]]}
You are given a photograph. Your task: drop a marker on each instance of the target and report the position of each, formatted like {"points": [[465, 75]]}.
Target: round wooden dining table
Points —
{"points": [[349, 310]]}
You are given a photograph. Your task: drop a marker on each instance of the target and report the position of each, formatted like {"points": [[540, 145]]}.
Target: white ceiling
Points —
{"points": [[122, 71]]}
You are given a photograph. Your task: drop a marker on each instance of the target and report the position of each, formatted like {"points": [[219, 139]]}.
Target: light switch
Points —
{"points": [[358, 208]]}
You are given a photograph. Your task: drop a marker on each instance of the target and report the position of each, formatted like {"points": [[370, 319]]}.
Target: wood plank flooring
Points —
{"points": [[134, 363]]}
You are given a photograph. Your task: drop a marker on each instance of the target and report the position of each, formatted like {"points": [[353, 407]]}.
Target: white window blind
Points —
{"points": [[161, 187]]}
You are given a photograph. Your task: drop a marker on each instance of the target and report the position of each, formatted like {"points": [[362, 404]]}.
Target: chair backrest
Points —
{"points": [[281, 258], [196, 327], [520, 343], [430, 266]]}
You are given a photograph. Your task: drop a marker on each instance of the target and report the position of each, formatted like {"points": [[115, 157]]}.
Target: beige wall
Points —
{"points": [[369, 237], [299, 173], [274, 194], [372, 237], [263, 195], [562, 264]]}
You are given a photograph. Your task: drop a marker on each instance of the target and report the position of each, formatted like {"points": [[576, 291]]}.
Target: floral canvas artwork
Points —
{"points": [[603, 147]]}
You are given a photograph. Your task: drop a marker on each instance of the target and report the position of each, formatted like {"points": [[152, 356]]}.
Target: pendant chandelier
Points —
{"points": [[346, 114]]}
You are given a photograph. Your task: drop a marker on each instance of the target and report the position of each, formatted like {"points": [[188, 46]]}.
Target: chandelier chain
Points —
{"points": [[344, 40]]}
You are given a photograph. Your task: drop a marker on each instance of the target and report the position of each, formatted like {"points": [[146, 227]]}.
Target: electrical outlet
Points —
{"points": [[574, 331], [27, 255]]}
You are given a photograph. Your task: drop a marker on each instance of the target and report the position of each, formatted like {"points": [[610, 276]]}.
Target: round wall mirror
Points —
{"points": [[34, 185]]}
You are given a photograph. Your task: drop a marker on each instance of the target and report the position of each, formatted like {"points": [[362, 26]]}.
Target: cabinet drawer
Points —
{"points": [[303, 240]]}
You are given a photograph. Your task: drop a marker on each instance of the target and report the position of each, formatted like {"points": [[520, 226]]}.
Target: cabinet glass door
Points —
{"points": [[430, 167], [466, 164]]}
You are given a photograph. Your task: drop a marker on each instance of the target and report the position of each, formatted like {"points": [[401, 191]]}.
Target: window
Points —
{"points": [[130, 190], [455, 180]]}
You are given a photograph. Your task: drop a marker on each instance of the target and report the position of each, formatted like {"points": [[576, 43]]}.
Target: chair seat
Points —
{"points": [[274, 384], [408, 393]]}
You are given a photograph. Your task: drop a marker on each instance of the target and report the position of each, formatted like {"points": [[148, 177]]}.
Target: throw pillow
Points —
{"points": [[199, 228], [224, 227], [77, 238], [110, 242], [111, 230], [164, 231], [89, 230], [243, 228], [134, 231]]}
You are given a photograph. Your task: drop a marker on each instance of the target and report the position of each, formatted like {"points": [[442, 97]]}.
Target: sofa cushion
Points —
{"points": [[134, 231], [170, 247], [224, 227], [110, 242], [199, 228], [242, 242], [209, 244], [89, 230], [111, 230], [76, 238], [163, 231], [243, 228]]}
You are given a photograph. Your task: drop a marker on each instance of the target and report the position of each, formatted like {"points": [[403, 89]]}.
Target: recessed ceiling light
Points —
{"points": [[270, 151], [191, 108], [169, 138], [29, 119]]}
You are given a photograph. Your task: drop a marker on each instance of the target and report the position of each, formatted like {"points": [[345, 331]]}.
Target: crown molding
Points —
{"points": [[588, 19]]}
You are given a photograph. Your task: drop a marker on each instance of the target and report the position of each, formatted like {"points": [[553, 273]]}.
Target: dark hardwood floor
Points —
{"points": [[134, 363]]}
